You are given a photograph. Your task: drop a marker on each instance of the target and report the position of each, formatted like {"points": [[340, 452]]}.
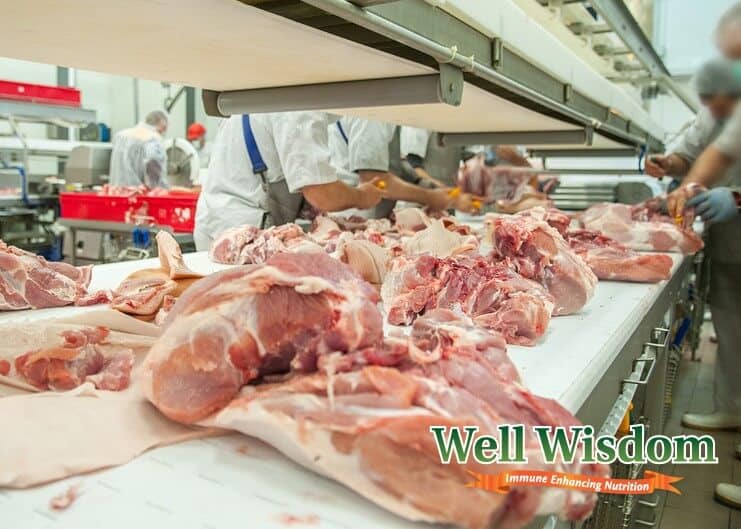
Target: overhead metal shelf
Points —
{"points": [[24, 111], [300, 54], [638, 54], [487, 63]]}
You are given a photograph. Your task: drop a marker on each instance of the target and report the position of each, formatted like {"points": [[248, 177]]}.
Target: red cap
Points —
{"points": [[195, 131]]}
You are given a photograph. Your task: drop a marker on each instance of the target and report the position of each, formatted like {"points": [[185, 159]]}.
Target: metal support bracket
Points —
{"points": [[497, 53], [369, 3], [443, 87], [568, 93], [554, 137]]}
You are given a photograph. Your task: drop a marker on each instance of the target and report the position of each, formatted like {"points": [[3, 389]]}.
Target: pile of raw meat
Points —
{"points": [[331, 392], [59, 356], [508, 188], [643, 227], [28, 281], [289, 345]]}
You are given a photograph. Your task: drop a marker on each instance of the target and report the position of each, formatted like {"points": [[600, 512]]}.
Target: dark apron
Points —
{"points": [[281, 206]]}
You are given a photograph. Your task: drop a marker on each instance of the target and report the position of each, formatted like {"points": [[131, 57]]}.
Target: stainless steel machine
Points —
{"points": [[88, 165], [183, 164]]}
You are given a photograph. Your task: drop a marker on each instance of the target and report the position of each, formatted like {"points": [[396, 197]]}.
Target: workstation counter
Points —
{"points": [[233, 480]]}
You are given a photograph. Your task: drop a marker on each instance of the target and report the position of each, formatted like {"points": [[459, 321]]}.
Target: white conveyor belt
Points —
{"points": [[211, 483]]}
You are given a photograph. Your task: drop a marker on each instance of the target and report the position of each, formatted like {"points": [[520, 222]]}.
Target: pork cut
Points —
{"points": [[493, 183], [28, 281], [659, 234], [438, 241], [610, 260], [250, 245], [240, 324], [554, 217], [144, 292], [538, 252], [365, 421], [492, 294], [61, 356]]}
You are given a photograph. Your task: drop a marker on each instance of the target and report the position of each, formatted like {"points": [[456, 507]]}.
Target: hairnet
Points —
{"points": [[718, 77], [155, 117], [729, 23]]}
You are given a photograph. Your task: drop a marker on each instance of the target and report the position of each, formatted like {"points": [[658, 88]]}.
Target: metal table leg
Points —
{"points": [[74, 246]]}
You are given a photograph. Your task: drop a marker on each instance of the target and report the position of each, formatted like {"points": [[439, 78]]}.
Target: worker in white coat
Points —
{"points": [[364, 149], [266, 167], [719, 92], [720, 207], [196, 135], [138, 156]]}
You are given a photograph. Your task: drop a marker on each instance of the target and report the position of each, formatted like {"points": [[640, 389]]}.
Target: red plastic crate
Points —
{"points": [[175, 210], [92, 206], [37, 93]]}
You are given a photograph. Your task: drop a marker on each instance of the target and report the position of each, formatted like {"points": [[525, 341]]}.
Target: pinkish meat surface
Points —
{"points": [[493, 183], [554, 217], [610, 260], [29, 281], [235, 326], [364, 420], [641, 228], [538, 252], [492, 294], [80, 357], [251, 245]]}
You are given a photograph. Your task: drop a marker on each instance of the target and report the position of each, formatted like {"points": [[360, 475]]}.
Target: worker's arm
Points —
{"points": [[692, 144], [302, 145], [398, 189], [337, 196], [673, 165], [512, 156], [709, 168], [424, 176], [707, 171]]}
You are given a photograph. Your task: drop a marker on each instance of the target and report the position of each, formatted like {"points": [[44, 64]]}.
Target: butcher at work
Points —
{"points": [[364, 150], [718, 167], [266, 167], [138, 156]]}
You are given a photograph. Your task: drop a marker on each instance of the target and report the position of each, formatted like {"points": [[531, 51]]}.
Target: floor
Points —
{"points": [[696, 508]]}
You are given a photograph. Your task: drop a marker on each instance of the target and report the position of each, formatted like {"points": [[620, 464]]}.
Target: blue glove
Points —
{"points": [[716, 205]]}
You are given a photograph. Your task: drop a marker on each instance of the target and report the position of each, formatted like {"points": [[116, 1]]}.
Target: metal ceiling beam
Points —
{"points": [[368, 3], [442, 53], [583, 153], [554, 137], [617, 15], [443, 87]]}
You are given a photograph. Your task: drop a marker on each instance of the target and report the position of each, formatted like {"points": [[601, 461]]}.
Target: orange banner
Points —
{"points": [[501, 483]]}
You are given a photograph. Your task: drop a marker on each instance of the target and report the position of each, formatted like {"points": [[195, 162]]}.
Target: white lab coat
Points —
{"points": [[414, 141], [138, 157], [366, 148], [293, 146]]}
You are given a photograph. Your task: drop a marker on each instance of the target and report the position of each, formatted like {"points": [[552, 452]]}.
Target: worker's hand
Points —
{"points": [[468, 203], [657, 166], [547, 184], [440, 199], [715, 205], [371, 193], [676, 201]]}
